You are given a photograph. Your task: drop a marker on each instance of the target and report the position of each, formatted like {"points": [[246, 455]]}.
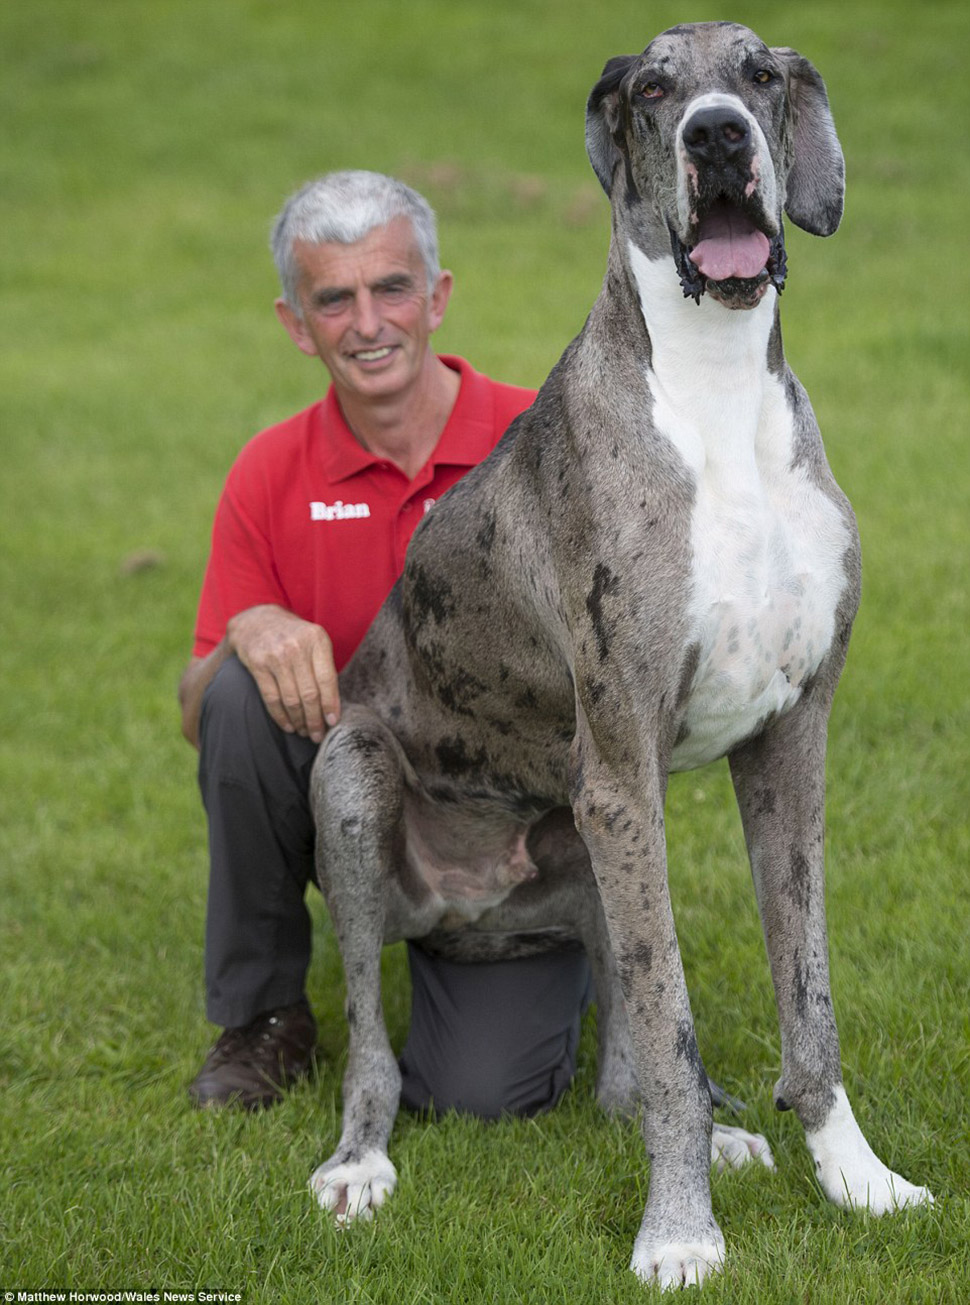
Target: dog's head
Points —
{"points": [[703, 142]]}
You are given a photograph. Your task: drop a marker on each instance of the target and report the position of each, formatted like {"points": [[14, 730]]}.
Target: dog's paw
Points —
{"points": [[732, 1148], [850, 1173], [672, 1265], [355, 1189]]}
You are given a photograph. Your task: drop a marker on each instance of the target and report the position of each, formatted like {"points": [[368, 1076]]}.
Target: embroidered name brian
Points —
{"points": [[338, 511]]}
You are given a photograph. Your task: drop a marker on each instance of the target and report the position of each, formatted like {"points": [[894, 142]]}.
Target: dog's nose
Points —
{"points": [[716, 135]]}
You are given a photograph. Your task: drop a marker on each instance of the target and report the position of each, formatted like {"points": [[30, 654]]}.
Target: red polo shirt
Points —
{"points": [[314, 523]]}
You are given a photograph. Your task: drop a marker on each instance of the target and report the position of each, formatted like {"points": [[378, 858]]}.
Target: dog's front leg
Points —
{"points": [[619, 812], [356, 793], [779, 779]]}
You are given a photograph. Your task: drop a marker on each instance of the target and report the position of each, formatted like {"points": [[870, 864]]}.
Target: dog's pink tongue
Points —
{"points": [[729, 246]]}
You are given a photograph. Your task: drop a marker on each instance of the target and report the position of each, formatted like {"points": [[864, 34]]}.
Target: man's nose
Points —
{"points": [[367, 317]]}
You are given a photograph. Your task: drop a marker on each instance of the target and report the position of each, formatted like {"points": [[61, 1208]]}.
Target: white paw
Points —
{"points": [[356, 1190], [732, 1148], [850, 1173], [672, 1265]]}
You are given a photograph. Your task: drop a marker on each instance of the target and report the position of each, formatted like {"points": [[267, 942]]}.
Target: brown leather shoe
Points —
{"points": [[253, 1065]]}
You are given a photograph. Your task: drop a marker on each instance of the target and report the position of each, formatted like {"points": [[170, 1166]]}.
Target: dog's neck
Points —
{"points": [[709, 364]]}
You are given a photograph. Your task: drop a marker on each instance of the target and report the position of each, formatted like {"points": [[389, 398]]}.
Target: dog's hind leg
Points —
{"points": [[779, 780], [356, 792]]}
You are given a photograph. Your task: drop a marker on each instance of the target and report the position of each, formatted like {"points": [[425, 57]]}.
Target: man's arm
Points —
{"points": [[291, 661]]}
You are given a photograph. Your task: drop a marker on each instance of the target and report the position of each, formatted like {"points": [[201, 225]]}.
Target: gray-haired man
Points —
{"points": [[309, 537]]}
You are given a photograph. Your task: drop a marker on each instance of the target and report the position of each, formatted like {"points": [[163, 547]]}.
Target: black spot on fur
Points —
{"points": [[429, 599], [458, 691], [801, 879], [687, 1049], [354, 743], [764, 802], [486, 534], [605, 584], [687, 1043], [454, 759], [643, 957]]}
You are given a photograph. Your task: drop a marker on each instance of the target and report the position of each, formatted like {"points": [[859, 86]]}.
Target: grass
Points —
{"points": [[143, 150]]}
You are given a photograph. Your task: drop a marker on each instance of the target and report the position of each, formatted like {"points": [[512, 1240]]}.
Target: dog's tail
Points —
{"points": [[722, 1098]]}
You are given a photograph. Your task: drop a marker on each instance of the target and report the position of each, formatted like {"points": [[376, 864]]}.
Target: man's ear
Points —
{"points": [[295, 328], [440, 296], [603, 119]]}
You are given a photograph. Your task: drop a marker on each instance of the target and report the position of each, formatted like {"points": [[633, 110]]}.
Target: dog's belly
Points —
{"points": [[467, 864]]}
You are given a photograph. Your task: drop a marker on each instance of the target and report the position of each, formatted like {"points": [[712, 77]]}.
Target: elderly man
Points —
{"points": [[309, 537]]}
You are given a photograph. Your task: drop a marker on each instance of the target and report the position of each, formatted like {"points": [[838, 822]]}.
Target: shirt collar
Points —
{"points": [[466, 440]]}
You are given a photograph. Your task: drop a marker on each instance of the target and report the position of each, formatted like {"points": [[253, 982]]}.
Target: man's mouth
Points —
{"points": [[373, 355]]}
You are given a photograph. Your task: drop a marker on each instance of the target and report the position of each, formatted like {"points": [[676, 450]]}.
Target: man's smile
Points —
{"points": [[373, 355]]}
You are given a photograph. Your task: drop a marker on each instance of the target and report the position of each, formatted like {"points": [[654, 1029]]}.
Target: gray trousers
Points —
{"points": [[483, 1039]]}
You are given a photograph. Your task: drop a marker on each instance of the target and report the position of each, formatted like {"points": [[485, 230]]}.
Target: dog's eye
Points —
{"points": [[652, 91], [763, 77]]}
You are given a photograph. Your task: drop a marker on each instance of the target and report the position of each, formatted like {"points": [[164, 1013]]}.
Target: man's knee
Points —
{"points": [[231, 692], [239, 742], [231, 706], [491, 1087], [477, 1047], [485, 1093]]}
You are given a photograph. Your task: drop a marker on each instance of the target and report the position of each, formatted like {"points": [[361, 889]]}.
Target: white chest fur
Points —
{"points": [[767, 543]]}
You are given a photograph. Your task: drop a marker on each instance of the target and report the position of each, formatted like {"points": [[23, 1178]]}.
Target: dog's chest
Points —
{"points": [[765, 582], [767, 544]]}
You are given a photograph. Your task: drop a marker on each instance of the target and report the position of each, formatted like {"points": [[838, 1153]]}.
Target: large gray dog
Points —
{"points": [[654, 569]]}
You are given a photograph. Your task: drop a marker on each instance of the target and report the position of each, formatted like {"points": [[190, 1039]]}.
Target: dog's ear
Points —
{"points": [[816, 183], [603, 132]]}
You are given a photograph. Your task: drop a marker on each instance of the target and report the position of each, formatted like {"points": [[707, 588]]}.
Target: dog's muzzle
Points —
{"points": [[729, 251]]}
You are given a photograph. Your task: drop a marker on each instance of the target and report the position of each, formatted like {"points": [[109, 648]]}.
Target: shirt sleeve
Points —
{"points": [[240, 573]]}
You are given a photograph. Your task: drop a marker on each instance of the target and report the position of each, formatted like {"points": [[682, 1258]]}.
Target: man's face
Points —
{"points": [[367, 311]]}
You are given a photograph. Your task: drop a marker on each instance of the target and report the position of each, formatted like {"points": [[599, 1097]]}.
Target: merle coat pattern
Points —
{"points": [[655, 568]]}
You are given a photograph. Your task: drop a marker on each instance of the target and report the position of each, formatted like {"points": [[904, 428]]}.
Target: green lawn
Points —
{"points": [[144, 147]]}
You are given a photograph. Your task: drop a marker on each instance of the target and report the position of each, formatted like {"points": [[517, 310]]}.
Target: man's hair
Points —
{"points": [[344, 207]]}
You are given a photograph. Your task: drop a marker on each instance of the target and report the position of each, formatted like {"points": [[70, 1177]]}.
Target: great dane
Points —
{"points": [[654, 569]]}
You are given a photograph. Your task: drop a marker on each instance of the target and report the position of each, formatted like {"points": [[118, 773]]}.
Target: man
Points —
{"points": [[309, 537]]}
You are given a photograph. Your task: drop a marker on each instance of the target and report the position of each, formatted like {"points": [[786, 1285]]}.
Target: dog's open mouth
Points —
{"points": [[731, 258], [729, 245]]}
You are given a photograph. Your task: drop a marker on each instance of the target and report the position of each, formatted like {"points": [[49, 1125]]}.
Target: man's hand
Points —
{"points": [[291, 661]]}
